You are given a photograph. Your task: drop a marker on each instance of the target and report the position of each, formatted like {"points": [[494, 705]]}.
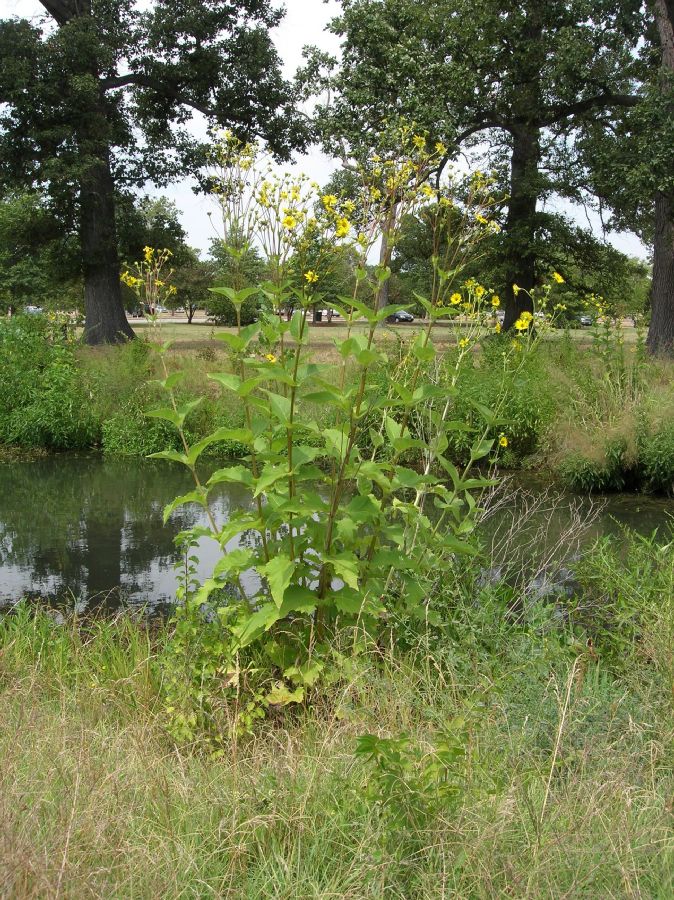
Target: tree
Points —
{"points": [[150, 222], [521, 76], [192, 280], [235, 266], [661, 331], [37, 261], [102, 99], [591, 266]]}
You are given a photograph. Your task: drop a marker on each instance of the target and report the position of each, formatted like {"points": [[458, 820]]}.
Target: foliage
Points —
{"points": [[552, 727], [192, 281], [42, 403], [99, 103], [235, 267], [337, 533], [524, 89], [38, 262]]}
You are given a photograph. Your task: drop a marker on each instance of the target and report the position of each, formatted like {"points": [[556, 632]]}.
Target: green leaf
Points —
{"points": [[480, 449], [281, 695], [298, 330], [199, 496], [171, 381], [278, 572], [307, 674], [166, 413], [387, 311], [269, 476], [232, 475], [256, 624], [235, 561], [346, 567], [394, 429], [298, 599], [238, 298], [348, 601], [280, 406], [423, 350], [336, 442], [376, 438], [226, 379], [172, 455]]}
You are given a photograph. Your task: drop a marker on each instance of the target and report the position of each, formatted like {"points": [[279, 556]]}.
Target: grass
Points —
{"points": [[565, 789], [200, 334]]}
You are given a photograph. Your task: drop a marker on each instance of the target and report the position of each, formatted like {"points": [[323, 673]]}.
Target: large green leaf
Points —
{"points": [[200, 496], [278, 572]]}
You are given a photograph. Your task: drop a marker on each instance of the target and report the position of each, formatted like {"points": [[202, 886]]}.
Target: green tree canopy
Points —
{"points": [[101, 96], [517, 77]]}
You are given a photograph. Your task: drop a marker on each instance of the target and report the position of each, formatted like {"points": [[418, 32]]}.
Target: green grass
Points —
{"points": [[565, 789]]}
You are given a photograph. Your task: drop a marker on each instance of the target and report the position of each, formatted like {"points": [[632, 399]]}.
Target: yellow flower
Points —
{"points": [[329, 201], [270, 357], [495, 301], [311, 276], [516, 289], [497, 328], [502, 440], [455, 299], [463, 343], [521, 324], [343, 227], [440, 148], [526, 317], [479, 291], [419, 141], [558, 278], [149, 252], [289, 222], [428, 191]]}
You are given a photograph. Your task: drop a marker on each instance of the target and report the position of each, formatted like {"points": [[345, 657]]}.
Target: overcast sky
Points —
{"points": [[304, 24]]}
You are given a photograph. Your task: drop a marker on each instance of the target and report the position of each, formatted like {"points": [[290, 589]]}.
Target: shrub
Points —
{"points": [[656, 460], [42, 401]]}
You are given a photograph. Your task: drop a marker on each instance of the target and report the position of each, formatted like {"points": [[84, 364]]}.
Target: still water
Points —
{"points": [[82, 527]]}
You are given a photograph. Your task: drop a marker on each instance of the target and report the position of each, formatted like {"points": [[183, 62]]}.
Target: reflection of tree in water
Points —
{"points": [[94, 524]]}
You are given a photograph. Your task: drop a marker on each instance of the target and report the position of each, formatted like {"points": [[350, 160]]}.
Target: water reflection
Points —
{"points": [[75, 527], [85, 527]]}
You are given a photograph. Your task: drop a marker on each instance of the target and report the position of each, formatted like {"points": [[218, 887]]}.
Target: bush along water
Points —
{"points": [[617, 423], [337, 536], [42, 399]]}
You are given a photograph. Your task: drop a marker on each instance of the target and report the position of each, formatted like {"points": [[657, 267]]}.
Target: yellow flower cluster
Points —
{"points": [[524, 321]]}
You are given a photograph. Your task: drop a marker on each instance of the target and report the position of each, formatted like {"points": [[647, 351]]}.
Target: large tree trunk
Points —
{"points": [[105, 319], [520, 232], [661, 331]]}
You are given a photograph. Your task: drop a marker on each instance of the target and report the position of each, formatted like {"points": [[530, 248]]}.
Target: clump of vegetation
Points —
{"points": [[42, 400], [508, 746]]}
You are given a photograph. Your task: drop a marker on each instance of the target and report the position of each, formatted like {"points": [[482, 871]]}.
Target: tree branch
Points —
{"points": [[140, 80], [60, 10], [558, 113]]}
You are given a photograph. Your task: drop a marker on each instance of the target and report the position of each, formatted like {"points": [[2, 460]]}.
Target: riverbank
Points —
{"points": [[589, 407], [527, 756]]}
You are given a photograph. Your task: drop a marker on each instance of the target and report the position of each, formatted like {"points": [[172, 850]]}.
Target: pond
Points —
{"points": [[76, 528]]}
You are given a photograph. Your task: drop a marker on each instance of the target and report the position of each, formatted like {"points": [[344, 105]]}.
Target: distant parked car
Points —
{"points": [[33, 310], [585, 320], [400, 316]]}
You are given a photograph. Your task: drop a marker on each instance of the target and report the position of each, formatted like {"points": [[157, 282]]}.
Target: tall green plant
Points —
{"points": [[334, 534]]}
